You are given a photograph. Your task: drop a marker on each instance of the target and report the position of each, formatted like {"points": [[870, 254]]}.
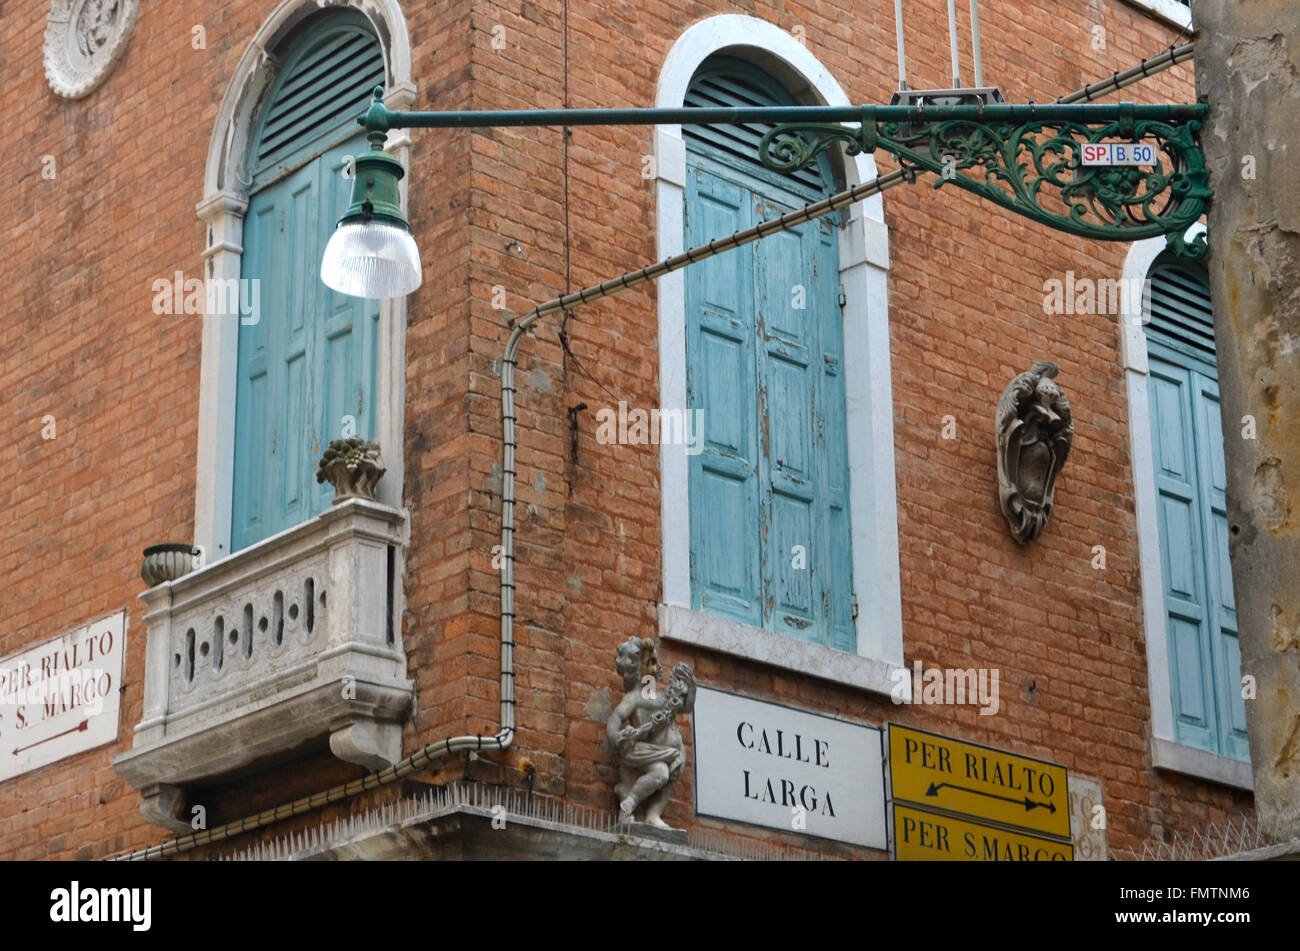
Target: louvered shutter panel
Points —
{"points": [[1191, 484], [325, 84], [732, 83], [770, 539], [1179, 311]]}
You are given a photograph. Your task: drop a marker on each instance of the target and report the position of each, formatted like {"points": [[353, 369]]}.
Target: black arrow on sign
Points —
{"points": [[1028, 803]]}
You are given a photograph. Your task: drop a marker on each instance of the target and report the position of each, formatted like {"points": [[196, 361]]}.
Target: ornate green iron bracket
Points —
{"points": [[1029, 159], [1025, 158]]}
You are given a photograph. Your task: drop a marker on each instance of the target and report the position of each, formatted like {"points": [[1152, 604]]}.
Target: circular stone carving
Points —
{"points": [[83, 40]]}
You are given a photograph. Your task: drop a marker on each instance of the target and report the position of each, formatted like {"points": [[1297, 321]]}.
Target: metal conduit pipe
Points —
{"points": [[437, 750], [1170, 57]]}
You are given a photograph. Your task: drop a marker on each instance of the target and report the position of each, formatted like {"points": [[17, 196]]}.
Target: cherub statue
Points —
{"points": [[642, 731]]}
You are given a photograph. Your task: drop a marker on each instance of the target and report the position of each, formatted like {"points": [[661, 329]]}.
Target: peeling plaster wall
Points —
{"points": [[1246, 67]]}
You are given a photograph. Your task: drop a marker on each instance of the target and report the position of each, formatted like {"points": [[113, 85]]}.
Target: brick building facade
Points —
{"points": [[126, 421]]}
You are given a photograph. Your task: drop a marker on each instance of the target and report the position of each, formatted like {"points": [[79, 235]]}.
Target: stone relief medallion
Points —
{"points": [[83, 40]]}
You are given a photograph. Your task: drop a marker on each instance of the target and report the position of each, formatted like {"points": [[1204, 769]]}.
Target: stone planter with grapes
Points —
{"points": [[352, 466]]}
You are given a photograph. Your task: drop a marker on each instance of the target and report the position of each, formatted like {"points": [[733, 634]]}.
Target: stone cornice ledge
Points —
{"points": [[677, 623], [474, 833]]}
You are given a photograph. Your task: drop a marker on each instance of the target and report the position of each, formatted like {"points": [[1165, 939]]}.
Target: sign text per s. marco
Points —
{"points": [[1026, 158]]}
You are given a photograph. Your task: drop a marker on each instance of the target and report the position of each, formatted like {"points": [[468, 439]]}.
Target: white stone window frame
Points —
{"points": [[1166, 752], [222, 210], [864, 271]]}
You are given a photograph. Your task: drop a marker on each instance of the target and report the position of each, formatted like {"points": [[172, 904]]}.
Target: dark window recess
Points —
{"points": [[392, 562]]}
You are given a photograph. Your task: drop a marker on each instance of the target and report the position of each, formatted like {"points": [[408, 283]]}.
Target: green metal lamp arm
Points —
{"points": [[380, 118], [1026, 158]]}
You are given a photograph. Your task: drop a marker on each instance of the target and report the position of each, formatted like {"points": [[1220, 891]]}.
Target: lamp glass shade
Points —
{"points": [[373, 259]]}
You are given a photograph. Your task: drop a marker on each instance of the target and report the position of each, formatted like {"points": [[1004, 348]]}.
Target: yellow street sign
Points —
{"points": [[931, 837], [937, 772]]}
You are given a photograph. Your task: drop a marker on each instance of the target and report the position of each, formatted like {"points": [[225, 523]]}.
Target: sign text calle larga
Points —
{"points": [[775, 766]]}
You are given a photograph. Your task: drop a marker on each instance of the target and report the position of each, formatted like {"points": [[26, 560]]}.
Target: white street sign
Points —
{"points": [[775, 766], [61, 697]]}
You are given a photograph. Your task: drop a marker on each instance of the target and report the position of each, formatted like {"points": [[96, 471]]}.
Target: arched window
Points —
{"points": [[769, 488], [1190, 482], [307, 365]]}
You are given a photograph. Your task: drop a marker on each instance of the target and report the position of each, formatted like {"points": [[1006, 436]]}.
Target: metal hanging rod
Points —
{"points": [[952, 43], [380, 118]]}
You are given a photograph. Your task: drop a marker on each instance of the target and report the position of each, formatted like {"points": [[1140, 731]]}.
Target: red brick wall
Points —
{"points": [[966, 315]]}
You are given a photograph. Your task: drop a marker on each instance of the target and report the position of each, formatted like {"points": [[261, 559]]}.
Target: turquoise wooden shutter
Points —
{"points": [[721, 380], [307, 368], [770, 539], [1187, 439]]}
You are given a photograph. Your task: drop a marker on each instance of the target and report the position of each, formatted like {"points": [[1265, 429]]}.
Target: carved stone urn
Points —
{"points": [[353, 466], [1035, 430], [169, 561]]}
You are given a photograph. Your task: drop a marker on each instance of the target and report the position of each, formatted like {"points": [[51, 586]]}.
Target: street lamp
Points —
{"points": [[372, 253], [1011, 155]]}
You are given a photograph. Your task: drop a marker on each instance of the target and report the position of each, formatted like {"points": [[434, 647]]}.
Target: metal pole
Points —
{"points": [[975, 42], [381, 119], [902, 59], [952, 35]]}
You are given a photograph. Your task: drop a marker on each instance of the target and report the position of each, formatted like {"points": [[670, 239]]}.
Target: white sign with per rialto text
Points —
{"points": [[61, 696], [775, 766]]}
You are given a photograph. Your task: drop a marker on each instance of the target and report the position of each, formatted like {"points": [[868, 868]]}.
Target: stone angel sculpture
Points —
{"points": [[1035, 431], [642, 731]]}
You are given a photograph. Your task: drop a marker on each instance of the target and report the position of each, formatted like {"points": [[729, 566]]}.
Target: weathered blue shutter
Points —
{"points": [[1187, 438], [721, 380], [770, 541], [832, 430], [310, 360]]}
